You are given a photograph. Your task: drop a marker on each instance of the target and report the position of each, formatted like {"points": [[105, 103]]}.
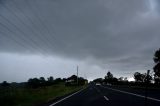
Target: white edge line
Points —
{"points": [[66, 97], [133, 94], [106, 98]]}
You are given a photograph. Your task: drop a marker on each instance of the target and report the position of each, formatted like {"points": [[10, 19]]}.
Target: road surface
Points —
{"points": [[109, 96]]}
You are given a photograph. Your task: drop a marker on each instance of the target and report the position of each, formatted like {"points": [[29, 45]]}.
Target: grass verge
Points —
{"points": [[31, 97]]}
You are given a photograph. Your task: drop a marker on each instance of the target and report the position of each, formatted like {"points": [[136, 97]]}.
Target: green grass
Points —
{"points": [[32, 97]]}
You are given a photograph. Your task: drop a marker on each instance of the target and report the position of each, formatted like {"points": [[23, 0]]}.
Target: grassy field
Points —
{"points": [[31, 97]]}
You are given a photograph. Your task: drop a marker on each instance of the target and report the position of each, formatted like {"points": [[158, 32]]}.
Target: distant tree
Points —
{"points": [[156, 68], [147, 78], [139, 77], [126, 79], [42, 81], [50, 80], [71, 81], [34, 83], [109, 75], [109, 78], [73, 77], [58, 80], [114, 80], [122, 81], [142, 77], [81, 81], [5, 84], [64, 79]]}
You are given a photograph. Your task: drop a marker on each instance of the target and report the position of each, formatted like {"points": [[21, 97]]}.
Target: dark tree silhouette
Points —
{"points": [[139, 77], [5, 84], [34, 83], [109, 78], [73, 77], [109, 75], [58, 80], [142, 77], [42, 81], [147, 78], [50, 80], [156, 68], [81, 81], [64, 79]]}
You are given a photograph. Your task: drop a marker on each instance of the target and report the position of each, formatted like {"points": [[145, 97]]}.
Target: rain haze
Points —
{"points": [[51, 37]]}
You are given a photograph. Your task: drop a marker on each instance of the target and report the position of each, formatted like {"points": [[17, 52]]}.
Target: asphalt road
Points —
{"points": [[109, 96]]}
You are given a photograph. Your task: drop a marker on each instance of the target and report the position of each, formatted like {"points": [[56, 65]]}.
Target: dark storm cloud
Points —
{"points": [[119, 33]]}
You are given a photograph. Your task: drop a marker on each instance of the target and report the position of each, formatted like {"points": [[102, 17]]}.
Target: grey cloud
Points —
{"points": [[123, 34]]}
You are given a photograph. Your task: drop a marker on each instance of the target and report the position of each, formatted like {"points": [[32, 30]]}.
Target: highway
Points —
{"points": [[109, 96]]}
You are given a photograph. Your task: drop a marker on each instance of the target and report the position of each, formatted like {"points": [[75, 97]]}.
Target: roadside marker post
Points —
{"points": [[146, 90], [77, 75]]}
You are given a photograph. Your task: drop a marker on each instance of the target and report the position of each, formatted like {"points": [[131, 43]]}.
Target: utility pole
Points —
{"points": [[77, 75]]}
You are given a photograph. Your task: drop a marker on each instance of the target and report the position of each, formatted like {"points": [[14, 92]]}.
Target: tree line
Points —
{"points": [[109, 79], [155, 78], [70, 81], [42, 82], [140, 78]]}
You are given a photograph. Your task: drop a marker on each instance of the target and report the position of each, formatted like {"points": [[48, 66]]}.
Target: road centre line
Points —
{"points": [[132, 94], [106, 98], [101, 94]]}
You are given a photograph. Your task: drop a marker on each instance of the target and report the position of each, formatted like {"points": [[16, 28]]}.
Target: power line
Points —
{"points": [[40, 21], [33, 23], [17, 29], [31, 29], [33, 44], [43, 22], [13, 39], [21, 34], [51, 31], [24, 34]]}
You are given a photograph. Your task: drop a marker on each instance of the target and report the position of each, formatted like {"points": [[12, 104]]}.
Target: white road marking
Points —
{"points": [[66, 97], [101, 94], [106, 98], [132, 94]]}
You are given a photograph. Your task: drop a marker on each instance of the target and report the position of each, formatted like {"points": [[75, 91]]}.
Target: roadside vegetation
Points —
{"points": [[39, 90], [142, 80], [34, 92]]}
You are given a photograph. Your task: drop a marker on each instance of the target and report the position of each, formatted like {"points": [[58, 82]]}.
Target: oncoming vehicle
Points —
{"points": [[98, 84]]}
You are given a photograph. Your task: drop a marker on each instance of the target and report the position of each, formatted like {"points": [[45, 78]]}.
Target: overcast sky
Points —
{"points": [[51, 37]]}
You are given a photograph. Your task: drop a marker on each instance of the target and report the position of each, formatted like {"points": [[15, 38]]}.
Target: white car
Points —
{"points": [[98, 84]]}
